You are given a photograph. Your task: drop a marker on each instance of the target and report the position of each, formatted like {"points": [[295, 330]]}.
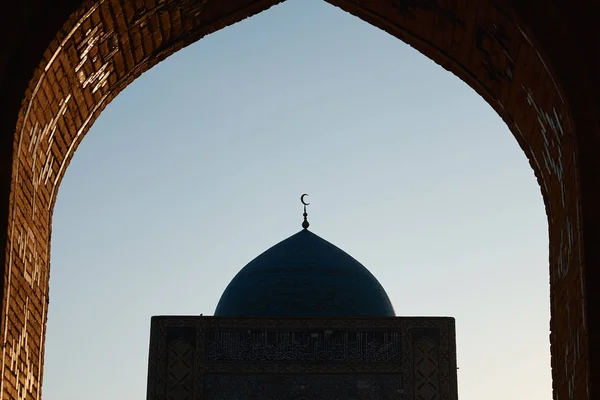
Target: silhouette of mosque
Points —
{"points": [[303, 320]]}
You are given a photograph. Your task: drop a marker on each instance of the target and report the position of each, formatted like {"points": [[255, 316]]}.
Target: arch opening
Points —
{"points": [[106, 45]]}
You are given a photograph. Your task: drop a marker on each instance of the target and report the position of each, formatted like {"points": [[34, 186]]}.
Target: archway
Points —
{"points": [[105, 45]]}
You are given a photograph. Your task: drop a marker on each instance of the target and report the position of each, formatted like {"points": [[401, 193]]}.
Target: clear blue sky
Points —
{"points": [[197, 167]]}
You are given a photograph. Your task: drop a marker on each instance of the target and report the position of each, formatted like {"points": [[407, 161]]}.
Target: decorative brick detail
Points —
{"points": [[106, 44]]}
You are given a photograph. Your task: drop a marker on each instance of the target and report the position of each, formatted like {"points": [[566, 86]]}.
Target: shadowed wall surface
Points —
{"points": [[266, 358]]}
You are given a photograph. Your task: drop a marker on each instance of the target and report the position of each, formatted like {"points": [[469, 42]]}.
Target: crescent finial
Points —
{"points": [[305, 223]]}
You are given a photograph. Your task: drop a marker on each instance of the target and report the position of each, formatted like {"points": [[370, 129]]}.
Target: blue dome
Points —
{"points": [[304, 276]]}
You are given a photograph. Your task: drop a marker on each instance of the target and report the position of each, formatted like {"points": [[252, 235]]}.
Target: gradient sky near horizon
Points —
{"points": [[197, 167]]}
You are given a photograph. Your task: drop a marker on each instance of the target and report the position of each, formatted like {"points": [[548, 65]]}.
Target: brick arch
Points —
{"points": [[106, 44]]}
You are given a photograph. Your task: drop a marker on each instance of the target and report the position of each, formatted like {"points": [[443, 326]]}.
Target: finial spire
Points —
{"points": [[305, 223]]}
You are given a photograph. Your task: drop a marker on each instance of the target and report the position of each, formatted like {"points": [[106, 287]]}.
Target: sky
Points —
{"points": [[197, 167]]}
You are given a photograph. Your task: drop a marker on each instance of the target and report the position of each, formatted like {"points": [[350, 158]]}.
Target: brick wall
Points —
{"points": [[106, 44]]}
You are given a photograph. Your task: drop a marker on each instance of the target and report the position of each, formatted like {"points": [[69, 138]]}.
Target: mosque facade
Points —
{"points": [[302, 321]]}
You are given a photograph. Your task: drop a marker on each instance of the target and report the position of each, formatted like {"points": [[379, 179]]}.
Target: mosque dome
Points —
{"points": [[304, 276]]}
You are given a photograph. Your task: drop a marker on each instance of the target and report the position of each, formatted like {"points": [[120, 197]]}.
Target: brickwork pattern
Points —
{"points": [[106, 44]]}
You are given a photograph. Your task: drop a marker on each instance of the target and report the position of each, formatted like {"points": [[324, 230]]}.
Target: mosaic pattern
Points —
{"points": [[180, 376], [420, 362], [329, 345], [426, 364]]}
